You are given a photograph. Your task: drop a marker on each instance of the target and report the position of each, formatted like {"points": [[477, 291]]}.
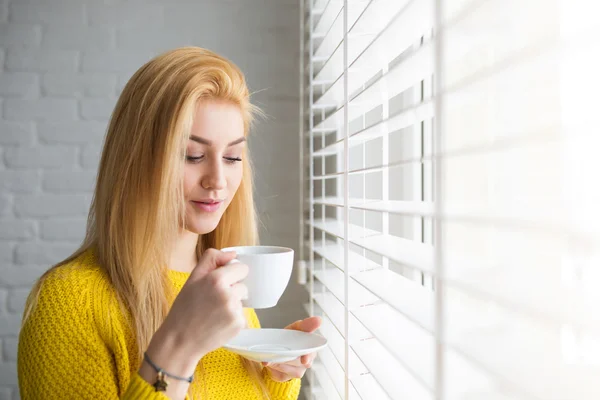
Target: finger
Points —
{"points": [[210, 260], [230, 274], [289, 370], [240, 291], [295, 363], [278, 376], [308, 359], [310, 324]]}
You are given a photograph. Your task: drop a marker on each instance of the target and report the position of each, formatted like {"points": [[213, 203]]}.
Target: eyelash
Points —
{"points": [[229, 160]]}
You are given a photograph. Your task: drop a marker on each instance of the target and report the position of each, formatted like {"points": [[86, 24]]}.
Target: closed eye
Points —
{"points": [[232, 160], [194, 160]]}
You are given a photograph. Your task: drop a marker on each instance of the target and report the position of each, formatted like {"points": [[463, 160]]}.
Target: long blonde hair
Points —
{"points": [[138, 206]]}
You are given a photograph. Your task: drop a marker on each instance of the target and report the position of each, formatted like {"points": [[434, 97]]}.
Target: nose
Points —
{"points": [[214, 178]]}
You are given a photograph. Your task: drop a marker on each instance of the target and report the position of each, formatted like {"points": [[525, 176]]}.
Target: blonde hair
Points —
{"points": [[138, 206]]}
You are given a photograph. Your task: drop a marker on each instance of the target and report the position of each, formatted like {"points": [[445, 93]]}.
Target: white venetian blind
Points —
{"points": [[451, 223]]}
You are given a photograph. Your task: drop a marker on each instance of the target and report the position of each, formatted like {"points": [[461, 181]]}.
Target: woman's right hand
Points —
{"points": [[206, 314]]}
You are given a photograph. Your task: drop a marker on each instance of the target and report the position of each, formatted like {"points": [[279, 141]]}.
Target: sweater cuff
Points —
{"points": [[289, 390], [140, 389]]}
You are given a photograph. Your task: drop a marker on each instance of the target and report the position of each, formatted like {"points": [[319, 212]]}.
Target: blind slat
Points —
{"points": [[334, 253], [386, 29], [396, 122], [407, 73], [331, 12], [333, 28], [389, 373], [336, 228], [497, 338], [368, 388], [421, 208], [319, 5], [336, 373], [403, 251], [335, 311], [411, 346], [506, 284], [325, 382], [409, 298], [332, 278], [335, 341]]}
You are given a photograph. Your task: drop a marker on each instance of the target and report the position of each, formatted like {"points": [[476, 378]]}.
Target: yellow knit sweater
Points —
{"points": [[77, 345]]}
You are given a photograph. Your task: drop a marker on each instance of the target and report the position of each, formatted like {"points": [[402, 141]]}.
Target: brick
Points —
{"points": [[122, 81], [90, 157], [72, 229], [5, 204], [41, 157], [114, 61], [9, 325], [21, 275], [72, 132], [52, 205], [157, 40], [79, 85], [10, 348], [55, 12], [97, 108], [6, 252], [45, 109], [12, 35], [246, 16], [8, 370], [19, 84], [18, 133], [3, 18], [19, 181], [129, 14], [77, 37], [43, 253], [16, 302], [3, 301], [69, 181], [42, 60], [16, 229]]}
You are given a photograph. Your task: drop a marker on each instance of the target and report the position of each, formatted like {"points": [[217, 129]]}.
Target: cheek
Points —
{"points": [[235, 179], [190, 177]]}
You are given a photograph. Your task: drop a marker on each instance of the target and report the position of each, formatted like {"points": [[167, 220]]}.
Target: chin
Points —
{"points": [[203, 227]]}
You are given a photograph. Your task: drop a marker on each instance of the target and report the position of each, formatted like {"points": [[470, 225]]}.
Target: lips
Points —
{"points": [[208, 205]]}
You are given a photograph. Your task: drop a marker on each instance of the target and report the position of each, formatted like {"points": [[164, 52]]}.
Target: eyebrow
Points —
{"points": [[209, 143]]}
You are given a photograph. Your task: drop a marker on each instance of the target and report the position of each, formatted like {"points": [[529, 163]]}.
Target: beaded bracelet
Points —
{"points": [[161, 383]]}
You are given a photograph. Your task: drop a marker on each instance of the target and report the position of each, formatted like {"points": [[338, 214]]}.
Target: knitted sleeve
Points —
{"points": [[289, 390], [61, 353]]}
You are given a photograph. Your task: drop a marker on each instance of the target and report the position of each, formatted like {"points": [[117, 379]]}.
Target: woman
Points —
{"points": [[146, 303]]}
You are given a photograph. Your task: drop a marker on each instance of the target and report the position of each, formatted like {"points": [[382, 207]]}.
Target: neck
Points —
{"points": [[183, 256]]}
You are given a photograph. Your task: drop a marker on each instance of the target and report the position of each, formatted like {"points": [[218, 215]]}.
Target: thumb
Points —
{"points": [[211, 260], [310, 324]]}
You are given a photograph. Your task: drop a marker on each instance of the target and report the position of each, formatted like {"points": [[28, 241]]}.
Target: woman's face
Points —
{"points": [[213, 166]]}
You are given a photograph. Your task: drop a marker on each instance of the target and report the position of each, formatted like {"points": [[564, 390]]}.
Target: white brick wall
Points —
{"points": [[62, 65]]}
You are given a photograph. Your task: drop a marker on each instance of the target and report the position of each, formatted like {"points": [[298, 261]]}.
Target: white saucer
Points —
{"points": [[275, 345]]}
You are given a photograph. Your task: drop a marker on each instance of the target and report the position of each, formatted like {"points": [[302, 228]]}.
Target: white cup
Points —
{"points": [[269, 272]]}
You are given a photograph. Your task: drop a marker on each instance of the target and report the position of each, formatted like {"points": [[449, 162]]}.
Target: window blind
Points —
{"points": [[450, 226]]}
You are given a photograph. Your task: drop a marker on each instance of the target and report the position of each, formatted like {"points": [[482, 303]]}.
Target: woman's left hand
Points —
{"points": [[282, 372]]}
